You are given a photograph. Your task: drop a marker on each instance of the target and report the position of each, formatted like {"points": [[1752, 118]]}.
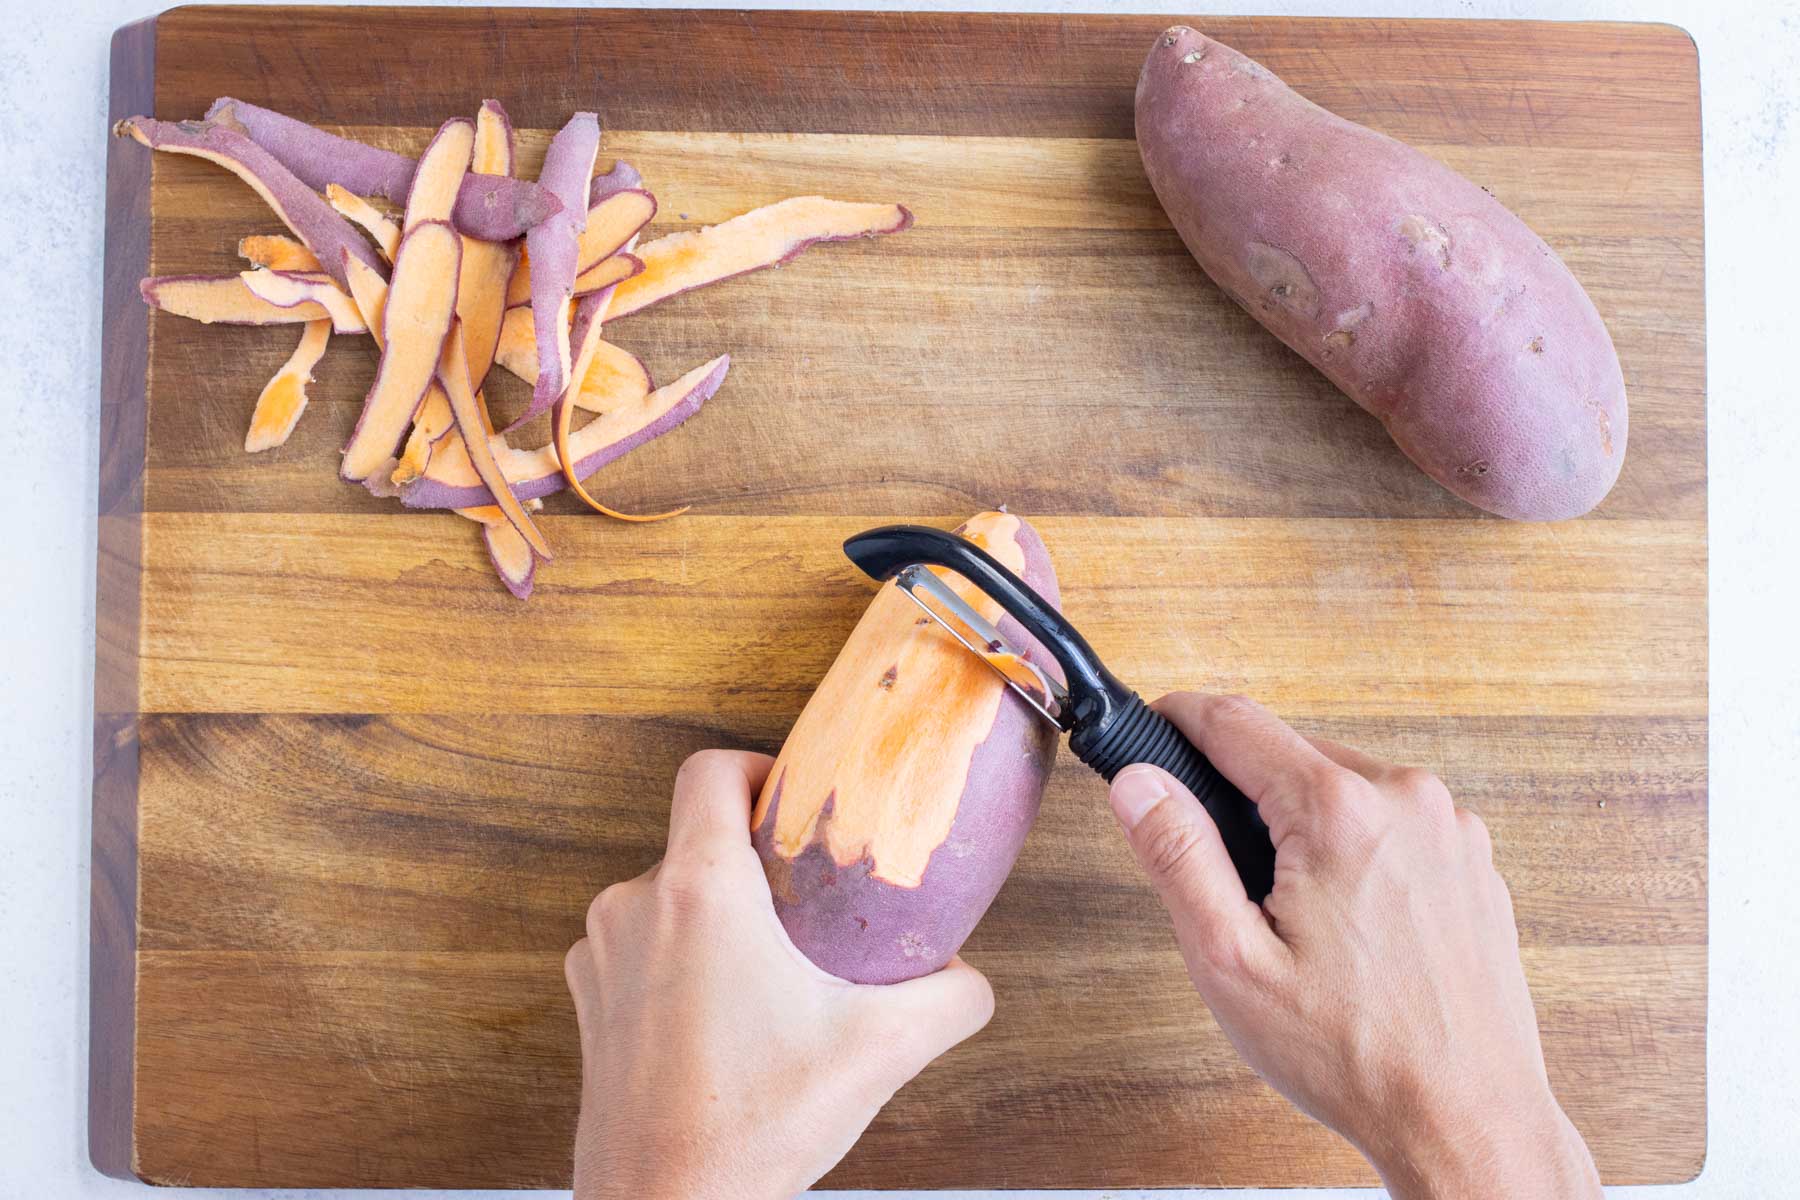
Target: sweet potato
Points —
{"points": [[371, 220], [614, 375], [283, 398], [480, 297], [590, 316], [491, 207], [228, 300], [1408, 286], [419, 311], [611, 223], [487, 266], [451, 481], [290, 289], [313, 221], [276, 252], [442, 169], [906, 788], [552, 248], [765, 237], [512, 558], [472, 424]]}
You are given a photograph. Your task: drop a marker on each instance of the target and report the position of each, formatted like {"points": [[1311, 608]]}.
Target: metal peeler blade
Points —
{"points": [[1043, 693]]}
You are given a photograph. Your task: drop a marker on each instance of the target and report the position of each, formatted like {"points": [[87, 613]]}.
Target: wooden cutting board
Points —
{"points": [[351, 798]]}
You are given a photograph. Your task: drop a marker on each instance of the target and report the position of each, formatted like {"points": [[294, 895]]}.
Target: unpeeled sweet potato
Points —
{"points": [[906, 788], [1411, 288]]}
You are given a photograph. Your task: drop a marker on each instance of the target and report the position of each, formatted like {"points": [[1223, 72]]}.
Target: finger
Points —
{"points": [[921, 1018], [1179, 848], [713, 792], [1373, 769], [583, 979], [1270, 763]]}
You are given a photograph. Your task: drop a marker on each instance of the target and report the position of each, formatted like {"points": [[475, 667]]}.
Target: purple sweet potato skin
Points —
{"points": [[552, 245], [326, 233], [1411, 288], [621, 178], [866, 930], [492, 208]]}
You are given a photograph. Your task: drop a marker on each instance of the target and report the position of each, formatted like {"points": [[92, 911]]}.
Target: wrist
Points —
{"points": [[1525, 1150]]}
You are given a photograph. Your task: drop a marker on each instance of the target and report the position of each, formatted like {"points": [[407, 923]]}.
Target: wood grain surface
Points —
{"points": [[351, 798]]}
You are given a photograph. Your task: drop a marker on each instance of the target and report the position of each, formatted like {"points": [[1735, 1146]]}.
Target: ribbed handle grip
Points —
{"points": [[1139, 734]]}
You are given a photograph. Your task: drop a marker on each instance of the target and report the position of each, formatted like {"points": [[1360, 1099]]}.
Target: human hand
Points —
{"points": [[1379, 986], [717, 1061]]}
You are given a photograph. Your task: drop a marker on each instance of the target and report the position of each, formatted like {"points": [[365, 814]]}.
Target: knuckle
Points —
{"points": [[605, 912], [575, 960], [1335, 793], [1167, 845], [1475, 834], [1419, 783], [1233, 708], [702, 760]]}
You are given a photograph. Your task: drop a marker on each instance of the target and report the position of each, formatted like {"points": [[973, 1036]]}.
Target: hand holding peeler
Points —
{"points": [[1109, 725]]}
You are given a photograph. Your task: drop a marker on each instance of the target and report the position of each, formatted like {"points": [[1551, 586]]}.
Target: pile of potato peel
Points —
{"points": [[480, 269]]}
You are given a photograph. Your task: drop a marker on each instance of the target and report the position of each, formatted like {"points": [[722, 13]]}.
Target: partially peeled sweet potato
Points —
{"points": [[906, 788]]}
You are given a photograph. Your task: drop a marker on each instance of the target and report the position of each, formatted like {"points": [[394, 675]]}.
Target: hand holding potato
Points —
{"points": [[1379, 987], [716, 1060]]}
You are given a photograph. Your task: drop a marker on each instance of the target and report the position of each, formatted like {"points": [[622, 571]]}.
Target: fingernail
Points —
{"points": [[1135, 791]]}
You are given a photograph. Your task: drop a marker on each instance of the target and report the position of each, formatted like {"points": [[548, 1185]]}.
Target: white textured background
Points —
{"points": [[53, 74]]}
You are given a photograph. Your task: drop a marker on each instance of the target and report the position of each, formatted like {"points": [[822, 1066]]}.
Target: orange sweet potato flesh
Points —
{"points": [[471, 422], [589, 318], [223, 300], [487, 266], [766, 237], [277, 252], [440, 175], [614, 375], [370, 291], [283, 399], [289, 289], [453, 482], [611, 223], [480, 296], [417, 316], [367, 217]]}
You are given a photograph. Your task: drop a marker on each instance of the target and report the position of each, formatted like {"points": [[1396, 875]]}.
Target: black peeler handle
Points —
{"points": [[1137, 733], [1110, 727]]}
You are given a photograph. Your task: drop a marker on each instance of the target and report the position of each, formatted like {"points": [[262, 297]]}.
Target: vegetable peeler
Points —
{"points": [[1109, 725]]}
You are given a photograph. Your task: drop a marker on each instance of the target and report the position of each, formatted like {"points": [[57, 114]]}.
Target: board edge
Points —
{"points": [[125, 359]]}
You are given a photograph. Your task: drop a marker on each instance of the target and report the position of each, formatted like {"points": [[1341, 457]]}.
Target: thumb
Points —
{"points": [[1178, 846], [921, 1018]]}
